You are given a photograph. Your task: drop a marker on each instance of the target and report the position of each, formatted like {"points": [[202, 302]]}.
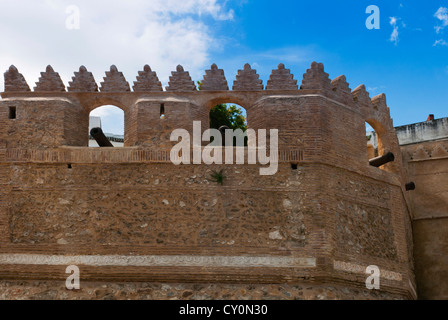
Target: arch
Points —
{"points": [[227, 99], [233, 116], [372, 141], [110, 121], [380, 135], [99, 101], [385, 144]]}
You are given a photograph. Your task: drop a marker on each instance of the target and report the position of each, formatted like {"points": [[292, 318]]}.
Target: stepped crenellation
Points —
{"points": [[361, 96], [281, 79], [114, 81], [147, 80], [83, 81], [316, 78], [247, 83], [214, 80], [341, 88], [247, 80], [180, 81], [15, 81], [49, 81]]}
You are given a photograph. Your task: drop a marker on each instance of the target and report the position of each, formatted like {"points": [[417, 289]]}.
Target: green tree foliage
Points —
{"points": [[231, 116], [226, 115]]}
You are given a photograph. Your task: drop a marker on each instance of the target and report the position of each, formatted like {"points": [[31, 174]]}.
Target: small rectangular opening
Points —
{"points": [[12, 113], [162, 111], [294, 166]]}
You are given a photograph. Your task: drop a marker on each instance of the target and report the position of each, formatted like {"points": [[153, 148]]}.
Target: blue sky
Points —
{"points": [[412, 71], [406, 58]]}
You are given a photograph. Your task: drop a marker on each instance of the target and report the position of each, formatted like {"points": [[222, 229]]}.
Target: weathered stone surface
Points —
{"points": [[214, 80], [158, 210], [114, 81], [422, 131], [49, 81], [83, 81], [247, 80], [281, 79], [55, 290], [364, 230], [180, 81], [14, 81], [147, 80], [426, 156]]}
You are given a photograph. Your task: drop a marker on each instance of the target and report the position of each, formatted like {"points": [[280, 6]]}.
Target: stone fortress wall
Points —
{"points": [[139, 226], [424, 148]]}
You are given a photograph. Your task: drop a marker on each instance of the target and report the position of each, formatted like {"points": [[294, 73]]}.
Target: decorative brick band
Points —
{"points": [[356, 268], [160, 261], [440, 151], [116, 155]]}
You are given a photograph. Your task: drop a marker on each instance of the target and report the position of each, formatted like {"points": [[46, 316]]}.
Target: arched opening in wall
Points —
{"points": [[110, 119], [371, 141], [380, 155], [230, 116]]}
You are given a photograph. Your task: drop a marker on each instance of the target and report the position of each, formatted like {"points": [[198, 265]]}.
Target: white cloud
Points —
{"points": [[394, 36], [112, 119], [442, 15], [440, 42], [376, 90], [129, 34]]}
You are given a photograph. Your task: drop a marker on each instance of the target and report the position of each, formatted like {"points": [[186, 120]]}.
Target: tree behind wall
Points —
{"points": [[230, 116], [224, 115]]}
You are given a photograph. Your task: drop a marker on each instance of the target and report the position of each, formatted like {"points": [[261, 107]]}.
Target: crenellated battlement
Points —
{"points": [[50, 81], [318, 105], [315, 80], [83, 81], [214, 79]]}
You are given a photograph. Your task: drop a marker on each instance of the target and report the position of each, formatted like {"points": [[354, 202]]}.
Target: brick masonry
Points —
{"points": [[295, 234]]}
